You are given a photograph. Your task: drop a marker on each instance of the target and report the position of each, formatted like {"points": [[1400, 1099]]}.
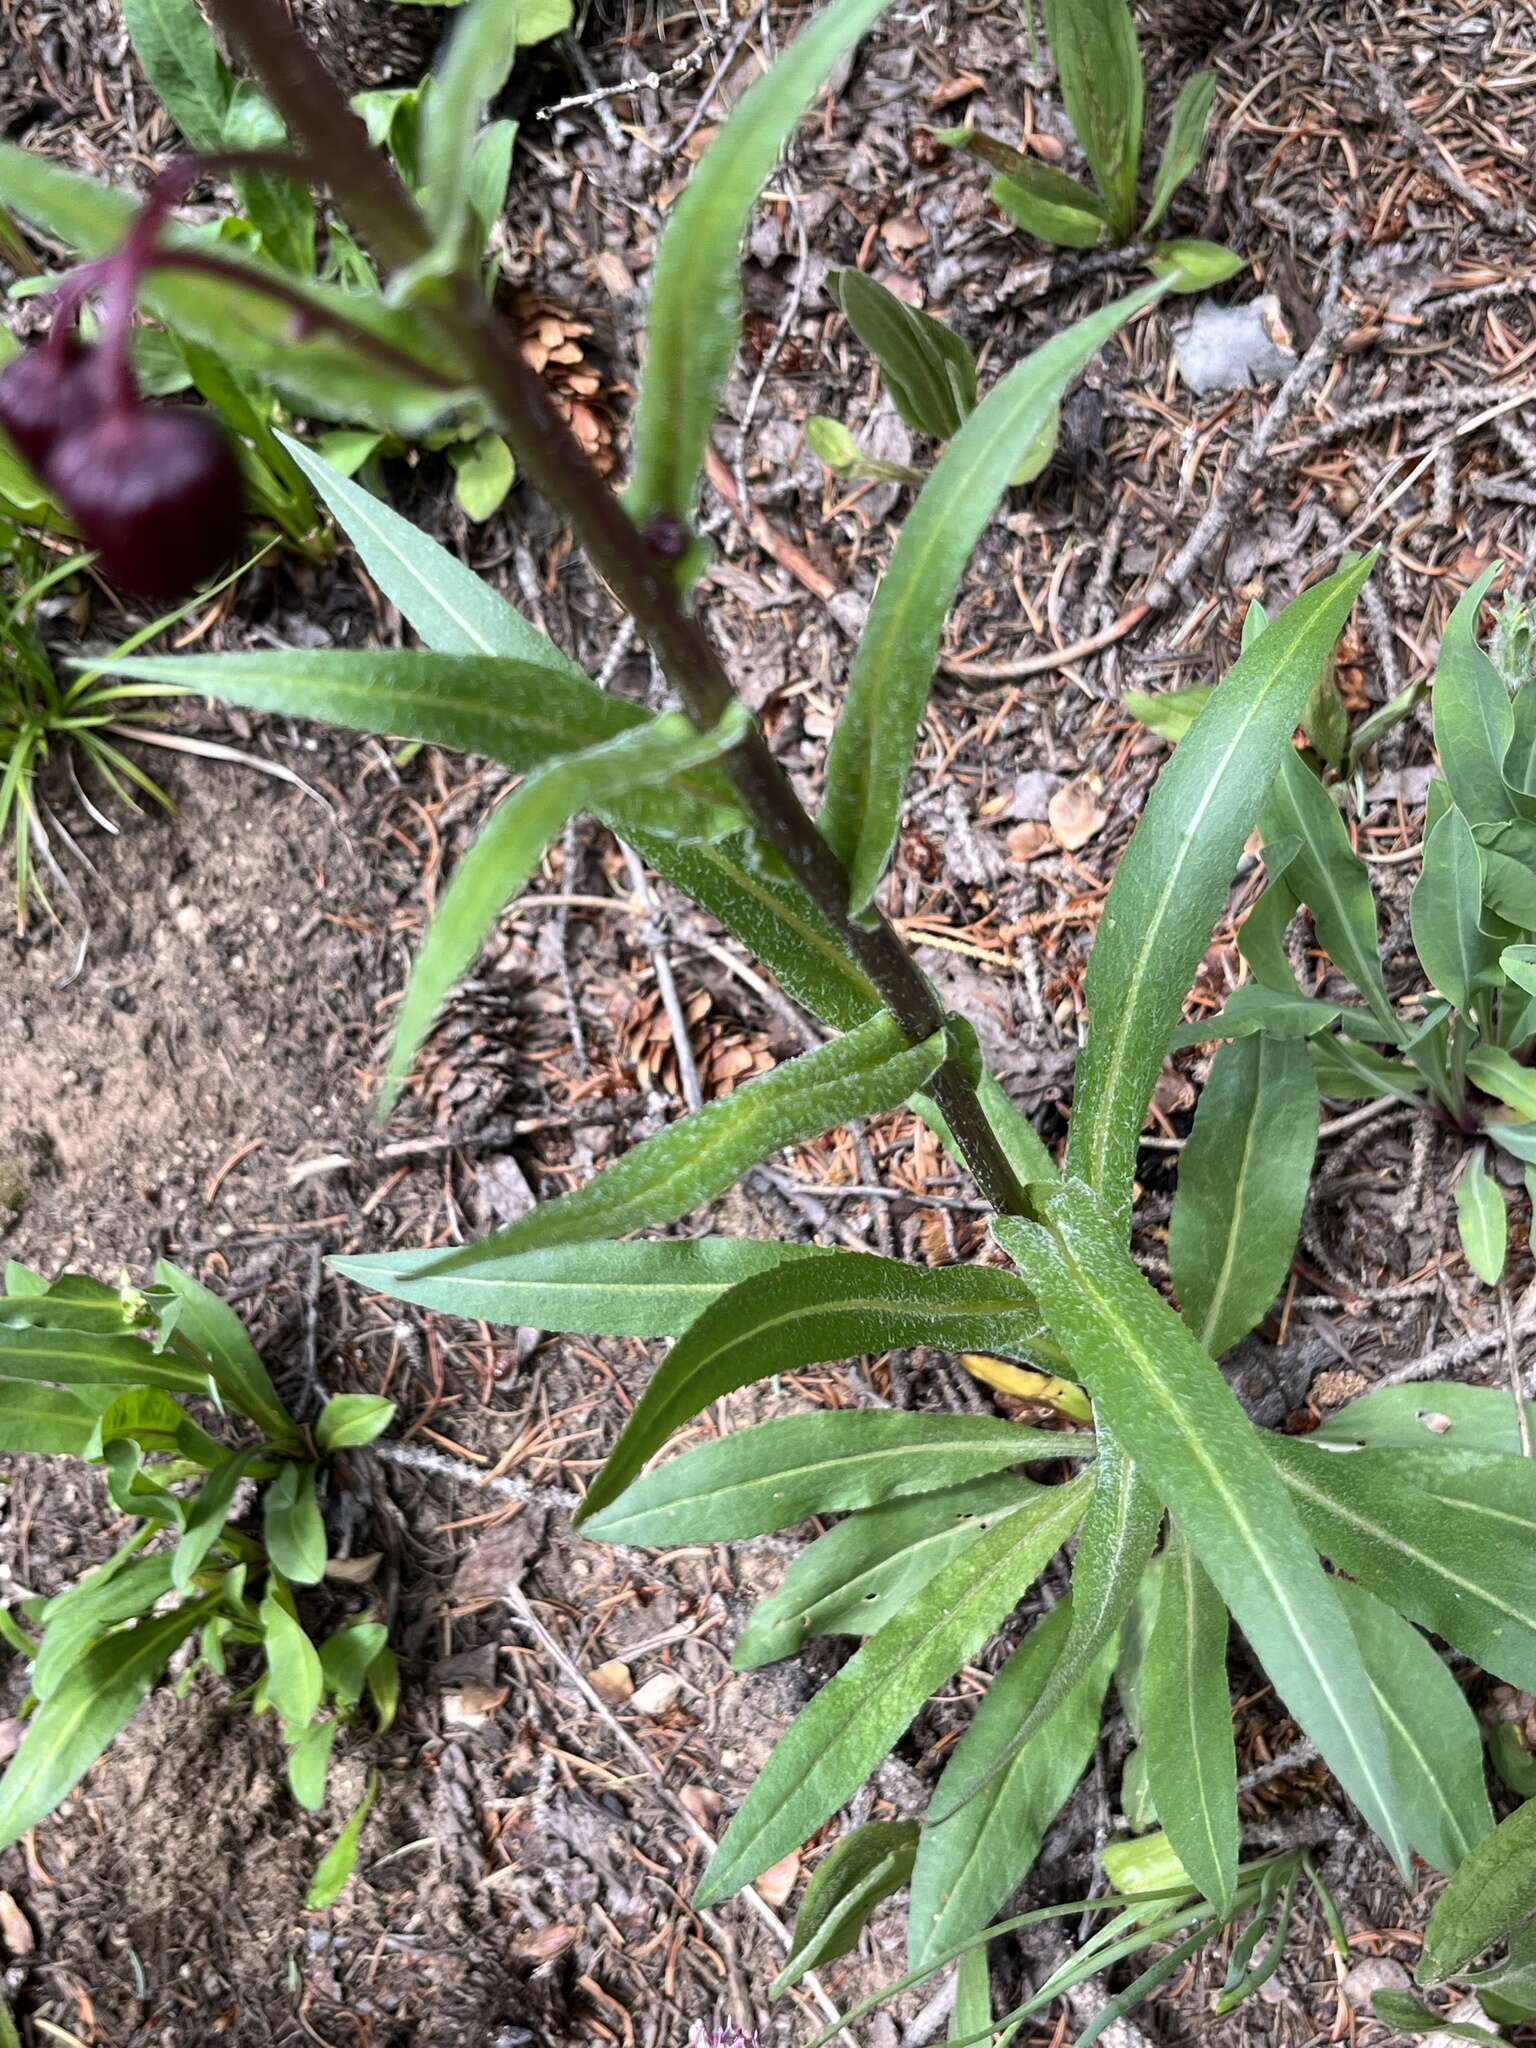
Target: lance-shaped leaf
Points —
{"points": [[1453, 949], [604, 1290], [1492, 1893], [868, 1071], [1173, 878], [74, 1358], [1099, 66], [852, 1580], [1432, 1734], [1000, 1800], [893, 669], [292, 1528], [927, 368], [294, 1679], [777, 1473], [1168, 713], [206, 1516], [90, 1612], [1499, 1074], [1043, 201], [1168, 1404], [1482, 1221], [1474, 722], [44, 1421], [511, 711], [1188, 1744], [1278, 1013], [1347, 1072], [334, 1871], [843, 1306], [511, 843], [1325, 872], [1418, 1417], [92, 1705], [860, 1714], [213, 1336], [1242, 1186], [855, 1876], [695, 304], [1114, 1547], [1186, 139], [1446, 1537]]}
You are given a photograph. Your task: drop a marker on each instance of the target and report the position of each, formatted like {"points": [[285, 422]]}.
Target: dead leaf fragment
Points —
{"points": [[1076, 814], [1028, 841], [543, 1944], [16, 1934], [777, 1882], [703, 1802], [473, 1705], [904, 234]]}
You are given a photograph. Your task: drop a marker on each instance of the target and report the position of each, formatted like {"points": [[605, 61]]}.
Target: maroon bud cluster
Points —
{"points": [[156, 491]]}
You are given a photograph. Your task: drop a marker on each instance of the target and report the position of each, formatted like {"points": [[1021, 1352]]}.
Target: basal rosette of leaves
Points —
{"points": [[1183, 1518], [163, 1391]]}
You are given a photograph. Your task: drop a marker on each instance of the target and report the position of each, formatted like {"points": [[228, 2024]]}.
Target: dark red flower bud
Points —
{"points": [[157, 492], [48, 392], [666, 536]]}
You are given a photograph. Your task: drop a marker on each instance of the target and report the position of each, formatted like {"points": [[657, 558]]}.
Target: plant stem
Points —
{"points": [[325, 129]]}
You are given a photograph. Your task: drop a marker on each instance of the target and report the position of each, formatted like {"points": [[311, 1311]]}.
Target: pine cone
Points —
{"points": [[551, 336], [723, 1051]]}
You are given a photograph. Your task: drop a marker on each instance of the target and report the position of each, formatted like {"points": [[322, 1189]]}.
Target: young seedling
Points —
{"points": [[229, 1528], [1186, 1515]]}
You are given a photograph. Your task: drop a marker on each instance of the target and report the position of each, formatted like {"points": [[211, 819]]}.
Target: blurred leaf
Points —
{"points": [[176, 51], [1186, 139], [1192, 266], [1492, 1892], [294, 1683], [94, 1702], [90, 1611], [1242, 1186], [384, 1688], [348, 1420], [1446, 1537], [998, 1800], [852, 1580], [483, 473], [71, 1358], [42, 1421], [1170, 713], [1499, 1074], [1410, 2015], [1045, 202], [1168, 1404], [206, 1516], [855, 1876], [986, 149], [634, 1289], [1098, 64], [470, 74], [347, 1657], [490, 170], [1326, 722], [340, 1860], [1191, 1756], [776, 1473], [215, 1336], [1418, 1417], [844, 1305], [862, 1711], [867, 1071], [928, 370], [279, 208], [308, 1761], [1453, 950], [293, 1531], [1474, 723], [866, 775], [1358, 1073], [695, 305], [1432, 1734], [972, 2015], [1519, 965], [1256, 1008], [1172, 882], [1482, 1222]]}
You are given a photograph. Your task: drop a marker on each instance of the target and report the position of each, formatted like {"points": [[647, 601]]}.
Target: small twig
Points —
{"points": [[1508, 220], [1054, 658], [666, 982], [652, 81], [1512, 1362]]}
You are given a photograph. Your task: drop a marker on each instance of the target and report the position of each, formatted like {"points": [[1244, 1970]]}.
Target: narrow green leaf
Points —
{"points": [[864, 1073], [293, 1531], [1189, 1747], [384, 1688], [340, 1860], [1186, 139], [348, 1420], [1242, 1186], [44, 1421], [471, 72], [77, 1302], [842, 1306], [511, 843], [855, 1876], [1328, 876], [1047, 203], [1474, 722], [216, 1337], [861, 1712], [1491, 1894], [1000, 1800], [1168, 713], [177, 54], [1358, 1073], [1410, 2015], [1446, 1537], [1172, 881], [206, 1516], [1255, 1007], [97, 1700], [1482, 1222], [1094, 45], [483, 473], [972, 2015], [1432, 1734], [633, 1289], [1195, 266], [893, 669], [308, 1761], [695, 304], [347, 1657], [90, 1612], [927, 368], [294, 1682], [73, 1358], [1499, 1074], [1168, 1405], [851, 1581], [279, 208], [774, 1475], [1446, 910], [1418, 1417]]}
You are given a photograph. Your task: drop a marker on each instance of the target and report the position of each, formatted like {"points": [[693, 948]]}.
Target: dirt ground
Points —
{"points": [[188, 1061]]}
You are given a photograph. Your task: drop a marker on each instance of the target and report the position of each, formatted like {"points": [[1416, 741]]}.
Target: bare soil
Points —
{"points": [[187, 1063]]}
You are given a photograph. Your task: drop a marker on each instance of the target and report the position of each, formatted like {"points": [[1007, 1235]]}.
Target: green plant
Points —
{"points": [[942, 1538], [1098, 64], [112, 1376]]}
